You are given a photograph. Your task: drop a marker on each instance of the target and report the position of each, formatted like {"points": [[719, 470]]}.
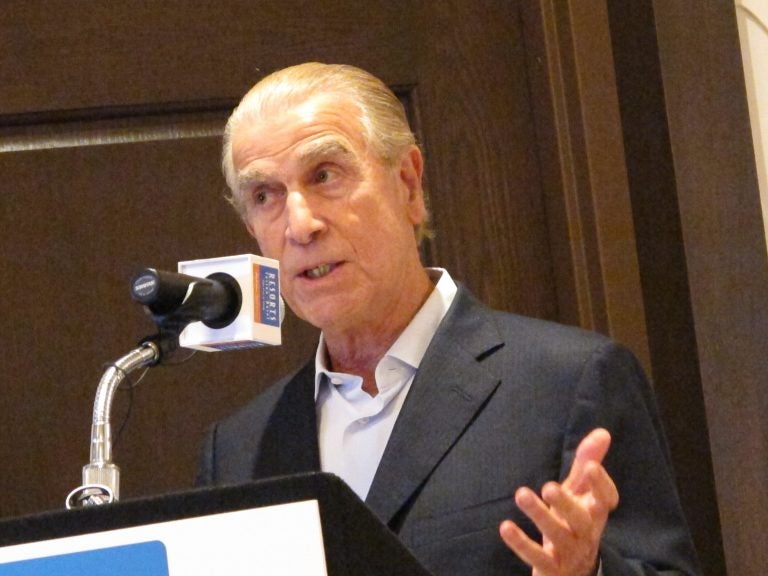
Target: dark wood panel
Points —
{"points": [[661, 251], [611, 208], [583, 174], [61, 54], [726, 260], [483, 176]]}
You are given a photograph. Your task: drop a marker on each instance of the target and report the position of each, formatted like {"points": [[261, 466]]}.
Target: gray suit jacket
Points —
{"points": [[500, 401]]}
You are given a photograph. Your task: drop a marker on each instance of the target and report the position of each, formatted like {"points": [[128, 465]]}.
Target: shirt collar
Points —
{"points": [[412, 343]]}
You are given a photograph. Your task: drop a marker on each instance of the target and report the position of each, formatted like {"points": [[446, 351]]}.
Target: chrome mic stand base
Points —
{"points": [[90, 495]]}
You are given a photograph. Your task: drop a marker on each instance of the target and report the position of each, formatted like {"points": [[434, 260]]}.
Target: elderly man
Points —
{"points": [[480, 437]]}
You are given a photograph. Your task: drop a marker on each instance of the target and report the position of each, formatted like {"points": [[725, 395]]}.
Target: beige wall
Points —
{"points": [[752, 17]]}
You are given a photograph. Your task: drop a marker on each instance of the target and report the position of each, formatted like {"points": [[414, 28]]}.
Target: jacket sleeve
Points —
{"points": [[647, 534]]}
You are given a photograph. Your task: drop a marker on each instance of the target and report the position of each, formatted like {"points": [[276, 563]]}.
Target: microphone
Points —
{"points": [[224, 303], [181, 299], [214, 304]]}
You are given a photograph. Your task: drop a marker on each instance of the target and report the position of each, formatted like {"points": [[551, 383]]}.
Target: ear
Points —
{"points": [[411, 171]]}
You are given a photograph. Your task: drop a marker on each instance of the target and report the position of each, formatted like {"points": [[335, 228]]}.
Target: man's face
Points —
{"points": [[339, 220]]}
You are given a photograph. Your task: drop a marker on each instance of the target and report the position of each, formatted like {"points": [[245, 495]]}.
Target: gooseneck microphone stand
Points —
{"points": [[101, 477], [173, 301]]}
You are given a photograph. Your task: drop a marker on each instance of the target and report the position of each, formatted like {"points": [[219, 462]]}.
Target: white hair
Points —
{"points": [[382, 116]]}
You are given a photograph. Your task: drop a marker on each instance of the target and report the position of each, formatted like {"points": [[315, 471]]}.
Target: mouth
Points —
{"points": [[319, 271]]}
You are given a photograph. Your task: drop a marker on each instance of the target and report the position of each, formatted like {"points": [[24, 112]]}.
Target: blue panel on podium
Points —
{"points": [[143, 559]]}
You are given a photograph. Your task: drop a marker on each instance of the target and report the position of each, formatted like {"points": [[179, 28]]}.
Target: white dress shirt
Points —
{"points": [[354, 427]]}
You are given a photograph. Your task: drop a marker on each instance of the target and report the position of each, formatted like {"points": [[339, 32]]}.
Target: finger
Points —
{"points": [[548, 523], [604, 491], [527, 550], [592, 448], [570, 509]]}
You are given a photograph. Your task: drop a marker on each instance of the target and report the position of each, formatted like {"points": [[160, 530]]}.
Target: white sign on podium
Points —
{"points": [[259, 541]]}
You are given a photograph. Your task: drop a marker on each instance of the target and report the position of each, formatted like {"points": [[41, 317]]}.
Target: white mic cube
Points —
{"points": [[258, 323]]}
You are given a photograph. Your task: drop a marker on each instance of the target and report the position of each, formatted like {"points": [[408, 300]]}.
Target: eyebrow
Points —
{"points": [[250, 178], [323, 149]]}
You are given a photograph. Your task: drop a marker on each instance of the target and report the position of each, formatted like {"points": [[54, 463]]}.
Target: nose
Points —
{"points": [[303, 223]]}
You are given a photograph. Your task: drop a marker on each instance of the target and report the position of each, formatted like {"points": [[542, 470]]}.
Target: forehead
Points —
{"points": [[314, 127]]}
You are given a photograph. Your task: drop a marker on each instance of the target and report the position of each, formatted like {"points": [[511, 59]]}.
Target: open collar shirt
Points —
{"points": [[354, 427]]}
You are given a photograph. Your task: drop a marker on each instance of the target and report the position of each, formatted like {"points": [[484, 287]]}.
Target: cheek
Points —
{"points": [[285, 289], [269, 238]]}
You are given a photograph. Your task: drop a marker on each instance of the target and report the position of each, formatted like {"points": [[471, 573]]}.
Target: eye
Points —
{"points": [[265, 196], [323, 175]]}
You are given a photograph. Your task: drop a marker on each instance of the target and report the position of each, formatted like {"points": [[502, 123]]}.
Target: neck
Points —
{"points": [[359, 351]]}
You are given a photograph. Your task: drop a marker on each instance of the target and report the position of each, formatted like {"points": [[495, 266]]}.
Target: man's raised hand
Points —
{"points": [[570, 516]]}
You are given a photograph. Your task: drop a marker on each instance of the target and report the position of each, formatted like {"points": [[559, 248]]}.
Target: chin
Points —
{"points": [[332, 311], [326, 319], [318, 317]]}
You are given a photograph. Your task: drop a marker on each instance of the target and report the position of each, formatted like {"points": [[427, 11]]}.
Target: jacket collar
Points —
{"points": [[450, 388]]}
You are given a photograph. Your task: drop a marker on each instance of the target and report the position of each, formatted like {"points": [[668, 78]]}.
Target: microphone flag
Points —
{"points": [[261, 312]]}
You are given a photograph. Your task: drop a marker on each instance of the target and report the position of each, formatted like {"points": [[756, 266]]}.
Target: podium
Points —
{"points": [[308, 524]]}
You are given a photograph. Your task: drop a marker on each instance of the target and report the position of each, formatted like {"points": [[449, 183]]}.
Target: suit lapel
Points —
{"points": [[289, 443], [450, 388]]}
